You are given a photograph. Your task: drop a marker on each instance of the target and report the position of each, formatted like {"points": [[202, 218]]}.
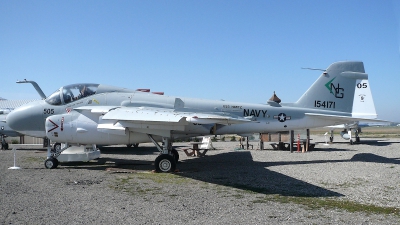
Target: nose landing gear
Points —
{"points": [[51, 163]]}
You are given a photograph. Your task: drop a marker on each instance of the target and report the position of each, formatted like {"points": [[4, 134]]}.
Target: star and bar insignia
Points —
{"points": [[282, 117]]}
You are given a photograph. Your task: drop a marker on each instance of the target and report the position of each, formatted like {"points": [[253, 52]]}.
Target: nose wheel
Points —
{"points": [[51, 163]]}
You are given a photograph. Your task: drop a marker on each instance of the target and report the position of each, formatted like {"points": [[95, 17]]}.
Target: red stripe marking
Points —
{"points": [[54, 124]]}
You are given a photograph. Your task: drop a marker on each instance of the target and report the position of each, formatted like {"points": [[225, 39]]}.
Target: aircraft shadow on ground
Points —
{"points": [[104, 163], [368, 157], [376, 142], [385, 142], [131, 150], [362, 157], [233, 169], [238, 170], [330, 149], [106, 150]]}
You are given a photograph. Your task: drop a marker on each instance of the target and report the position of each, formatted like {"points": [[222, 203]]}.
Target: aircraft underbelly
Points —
{"points": [[267, 126]]}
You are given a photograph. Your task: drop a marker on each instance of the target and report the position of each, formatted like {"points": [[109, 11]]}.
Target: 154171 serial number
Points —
{"points": [[324, 104]]}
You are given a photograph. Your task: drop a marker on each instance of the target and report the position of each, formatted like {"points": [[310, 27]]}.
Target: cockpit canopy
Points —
{"points": [[71, 93]]}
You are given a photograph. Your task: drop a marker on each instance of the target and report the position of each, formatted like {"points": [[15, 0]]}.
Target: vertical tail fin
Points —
{"points": [[336, 88], [363, 104]]}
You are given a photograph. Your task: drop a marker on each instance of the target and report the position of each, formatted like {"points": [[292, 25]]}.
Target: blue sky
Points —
{"points": [[232, 50]]}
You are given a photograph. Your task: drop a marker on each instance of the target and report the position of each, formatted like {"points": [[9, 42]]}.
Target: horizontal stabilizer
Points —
{"points": [[343, 119]]}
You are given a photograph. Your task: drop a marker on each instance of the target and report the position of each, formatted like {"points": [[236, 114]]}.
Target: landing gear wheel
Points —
{"points": [[51, 163], [165, 163], [175, 154], [56, 147], [351, 142], [132, 145]]}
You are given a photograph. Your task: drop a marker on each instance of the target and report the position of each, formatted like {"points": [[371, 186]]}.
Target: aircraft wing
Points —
{"points": [[158, 121], [151, 114], [162, 115], [343, 119]]}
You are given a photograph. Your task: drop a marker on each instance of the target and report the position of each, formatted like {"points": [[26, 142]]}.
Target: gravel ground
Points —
{"points": [[334, 184]]}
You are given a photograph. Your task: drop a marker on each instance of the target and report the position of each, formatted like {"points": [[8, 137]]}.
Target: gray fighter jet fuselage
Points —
{"points": [[216, 117], [101, 114]]}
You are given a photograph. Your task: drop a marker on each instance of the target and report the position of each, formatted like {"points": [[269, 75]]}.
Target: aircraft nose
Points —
{"points": [[26, 118]]}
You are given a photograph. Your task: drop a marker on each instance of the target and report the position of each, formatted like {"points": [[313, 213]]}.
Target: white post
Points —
{"points": [[326, 142], [14, 167]]}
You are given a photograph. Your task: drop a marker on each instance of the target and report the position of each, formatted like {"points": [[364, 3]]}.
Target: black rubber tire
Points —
{"points": [[165, 163], [175, 154], [51, 163], [134, 145]]}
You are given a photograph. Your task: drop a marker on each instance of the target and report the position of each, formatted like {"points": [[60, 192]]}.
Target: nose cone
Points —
{"points": [[28, 119]]}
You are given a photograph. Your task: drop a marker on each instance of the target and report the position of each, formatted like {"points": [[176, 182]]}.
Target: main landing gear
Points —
{"points": [[4, 144], [356, 134], [166, 161], [135, 145], [347, 134]]}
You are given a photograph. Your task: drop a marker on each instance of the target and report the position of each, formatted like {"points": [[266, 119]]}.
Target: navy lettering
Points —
{"points": [[255, 112]]}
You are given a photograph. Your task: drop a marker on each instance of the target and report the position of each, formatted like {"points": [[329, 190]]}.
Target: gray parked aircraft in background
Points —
{"points": [[100, 114], [5, 130], [6, 106]]}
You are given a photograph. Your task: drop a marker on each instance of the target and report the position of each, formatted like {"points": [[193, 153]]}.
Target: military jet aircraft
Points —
{"points": [[100, 114], [4, 129], [6, 106]]}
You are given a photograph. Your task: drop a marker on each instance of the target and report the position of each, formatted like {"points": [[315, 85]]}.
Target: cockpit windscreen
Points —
{"points": [[71, 93]]}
